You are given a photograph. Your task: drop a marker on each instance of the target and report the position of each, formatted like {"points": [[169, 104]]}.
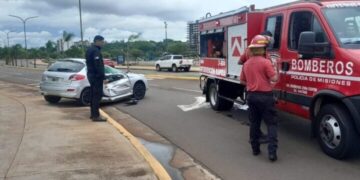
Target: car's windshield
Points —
{"points": [[178, 57], [345, 22], [110, 70], [66, 66]]}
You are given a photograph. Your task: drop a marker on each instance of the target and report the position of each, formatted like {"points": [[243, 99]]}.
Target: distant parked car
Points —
{"points": [[109, 62], [67, 79], [174, 63]]}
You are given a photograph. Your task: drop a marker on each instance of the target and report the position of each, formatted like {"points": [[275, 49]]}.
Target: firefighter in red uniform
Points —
{"points": [[258, 73], [244, 57]]}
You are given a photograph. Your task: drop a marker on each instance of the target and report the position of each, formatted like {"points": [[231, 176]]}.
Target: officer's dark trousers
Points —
{"points": [[262, 106], [96, 87]]}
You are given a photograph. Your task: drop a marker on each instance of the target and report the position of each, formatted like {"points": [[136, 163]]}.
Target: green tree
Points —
{"points": [[178, 47], [74, 52]]}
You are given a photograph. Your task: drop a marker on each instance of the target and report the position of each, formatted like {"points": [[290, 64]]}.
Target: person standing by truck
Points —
{"points": [[96, 76], [258, 73]]}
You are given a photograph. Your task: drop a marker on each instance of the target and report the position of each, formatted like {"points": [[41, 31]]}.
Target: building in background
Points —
{"points": [[193, 37], [63, 46], [86, 43]]}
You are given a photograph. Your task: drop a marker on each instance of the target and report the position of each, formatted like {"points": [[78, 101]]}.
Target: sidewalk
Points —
{"points": [[42, 141]]}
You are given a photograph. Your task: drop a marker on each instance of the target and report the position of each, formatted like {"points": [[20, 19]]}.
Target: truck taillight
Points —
{"points": [[181, 62], [77, 77]]}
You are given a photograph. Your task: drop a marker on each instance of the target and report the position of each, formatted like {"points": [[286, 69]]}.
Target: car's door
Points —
{"points": [[119, 83], [167, 61]]}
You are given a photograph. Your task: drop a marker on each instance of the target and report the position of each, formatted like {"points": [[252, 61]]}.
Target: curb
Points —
{"points": [[158, 169], [29, 68]]}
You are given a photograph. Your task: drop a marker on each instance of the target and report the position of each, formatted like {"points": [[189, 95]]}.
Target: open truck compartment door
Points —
{"points": [[236, 43]]}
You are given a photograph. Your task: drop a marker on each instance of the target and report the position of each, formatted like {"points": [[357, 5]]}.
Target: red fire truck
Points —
{"points": [[317, 50]]}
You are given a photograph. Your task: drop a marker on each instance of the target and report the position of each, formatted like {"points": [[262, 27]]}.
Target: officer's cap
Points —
{"points": [[98, 38]]}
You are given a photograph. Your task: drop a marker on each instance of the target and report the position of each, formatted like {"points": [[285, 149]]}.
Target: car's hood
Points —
{"points": [[133, 75]]}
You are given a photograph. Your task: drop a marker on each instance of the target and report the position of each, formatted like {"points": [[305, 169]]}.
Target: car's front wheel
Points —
{"points": [[139, 90], [52, 99], [85, 97]]}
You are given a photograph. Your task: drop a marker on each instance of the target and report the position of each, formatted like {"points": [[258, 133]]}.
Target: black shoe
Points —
{"points": [[256, 152], [272, 157], [99, 119]]}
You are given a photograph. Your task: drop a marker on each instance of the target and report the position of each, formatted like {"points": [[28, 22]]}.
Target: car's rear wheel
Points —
{"points": [[187, 69], [52, 99], [139, 90], [85, 97], [174, 68]]}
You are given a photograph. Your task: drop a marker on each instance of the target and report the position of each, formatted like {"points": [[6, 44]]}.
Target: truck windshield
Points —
{"points": [[345, 22]]}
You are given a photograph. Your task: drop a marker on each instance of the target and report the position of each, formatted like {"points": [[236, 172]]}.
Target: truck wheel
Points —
{"points": [[158, 68], [85, 97], [217, 103], [174, 68], [335, 131], [187, 69], [52, 99]]}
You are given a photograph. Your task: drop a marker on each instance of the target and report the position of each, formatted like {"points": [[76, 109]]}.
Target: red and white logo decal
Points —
{"points": [[236, 46]]}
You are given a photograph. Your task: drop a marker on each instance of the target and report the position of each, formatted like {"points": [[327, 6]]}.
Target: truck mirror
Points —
{"points": [[307, 44], [309, 48]]}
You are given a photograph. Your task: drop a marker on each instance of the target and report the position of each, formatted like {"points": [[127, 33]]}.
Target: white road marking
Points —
{"points": [[244, 107], [198, 104], [189, 90]]}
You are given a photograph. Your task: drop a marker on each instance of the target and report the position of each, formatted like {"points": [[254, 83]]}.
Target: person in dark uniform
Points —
{"points": [[96, 76], [258, 73]]}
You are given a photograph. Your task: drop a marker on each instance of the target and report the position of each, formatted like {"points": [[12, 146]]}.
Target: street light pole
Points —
{"points": [[165, 35], [24, 23], [8, 39], [81, 27]]}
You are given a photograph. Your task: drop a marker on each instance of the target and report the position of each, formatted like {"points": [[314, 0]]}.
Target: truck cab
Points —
{"points": [[316, 48]]}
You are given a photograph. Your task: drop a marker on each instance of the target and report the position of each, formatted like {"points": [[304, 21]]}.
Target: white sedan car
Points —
{"points": [[67, 79]]}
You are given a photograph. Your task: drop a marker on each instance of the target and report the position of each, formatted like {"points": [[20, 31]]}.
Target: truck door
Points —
{"points": [[236, 43], [274, 24], [299, 86]]}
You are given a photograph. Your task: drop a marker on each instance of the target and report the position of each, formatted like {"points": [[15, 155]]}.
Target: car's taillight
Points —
{"points": [[181, 62], [77, 77]]}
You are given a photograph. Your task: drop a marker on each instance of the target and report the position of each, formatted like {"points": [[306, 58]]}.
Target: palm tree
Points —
{"points": [[67, 37]]}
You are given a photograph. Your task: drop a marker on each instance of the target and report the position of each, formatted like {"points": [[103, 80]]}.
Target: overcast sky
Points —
{"points": [[114, 19]]}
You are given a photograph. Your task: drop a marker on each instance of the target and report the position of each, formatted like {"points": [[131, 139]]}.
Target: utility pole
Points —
{"points": [[165, 35], [8, 39], [24, 23], [81, 27], [8, 48]]}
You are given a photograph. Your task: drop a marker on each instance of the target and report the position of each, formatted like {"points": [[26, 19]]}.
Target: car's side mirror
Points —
{"points": [[308, 47]]}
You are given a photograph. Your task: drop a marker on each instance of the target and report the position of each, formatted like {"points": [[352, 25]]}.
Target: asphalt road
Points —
{"points": [[220, 140]]}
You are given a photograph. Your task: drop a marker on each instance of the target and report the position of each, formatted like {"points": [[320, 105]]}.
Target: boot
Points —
{"points": [[99, 119], [272, 156]]}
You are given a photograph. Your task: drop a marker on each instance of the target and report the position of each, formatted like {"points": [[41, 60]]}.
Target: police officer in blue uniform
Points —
{"points": [[96, 76]]}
